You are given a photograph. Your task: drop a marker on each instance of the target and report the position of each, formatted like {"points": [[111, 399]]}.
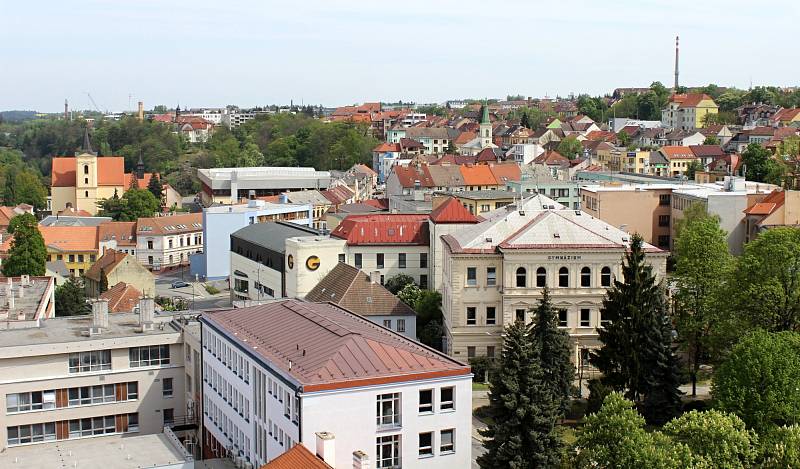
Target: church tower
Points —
{"points": [[486, 127]]}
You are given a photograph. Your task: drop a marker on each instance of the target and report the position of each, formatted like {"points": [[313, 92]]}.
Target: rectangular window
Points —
{"points": [[604, 321], [425, 401], [387, 452], [470, 351], [472, 276], [358, 261], [387, 323], [401, 260], [72, 257], [133, 390], [379, 260], [426, 444], [663, 241], [491, 276], [82, 362], [663, 220], [447, 398], [472, 315], [423, 260], [446, 441], [490, 351], [491, 316], [169, 417], [154, 355], [423, 282], [519, 315], [341, 258], [562, 318], [401, 325], [664, 199], [166, 387], [388, 410], [585, 317]]}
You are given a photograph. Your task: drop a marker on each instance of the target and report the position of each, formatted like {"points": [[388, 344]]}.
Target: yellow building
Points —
{"points": [[478, 202], [85, 179], [75, 245], [688, 111]]}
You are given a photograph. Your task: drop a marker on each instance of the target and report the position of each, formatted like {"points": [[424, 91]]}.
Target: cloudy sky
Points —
{"points": [[213, 53]]}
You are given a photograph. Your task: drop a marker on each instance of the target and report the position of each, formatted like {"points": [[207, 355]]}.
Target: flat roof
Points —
{"points": [[273, 235], [32, 296], [116, 451], [60, 330], [259, 205], [481, 195], [633, 187]]}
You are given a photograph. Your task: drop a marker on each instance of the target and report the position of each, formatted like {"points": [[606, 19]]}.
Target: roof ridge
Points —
{"points": [[590, 230]]}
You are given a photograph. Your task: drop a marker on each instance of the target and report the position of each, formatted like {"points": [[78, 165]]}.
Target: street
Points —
{"points": [[195, 293]]}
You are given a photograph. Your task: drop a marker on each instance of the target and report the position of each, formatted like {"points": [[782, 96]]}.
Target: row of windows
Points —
{"points": [[228, 355], [380, 260], [198, 239], [401, 324], [446, 443], [388, 406], [227, 427], [521, 314], [71, 397], [96, 360], [227, 392], [78, 428], [285, 397], [521, 277], [73, 257], [153, 355]]}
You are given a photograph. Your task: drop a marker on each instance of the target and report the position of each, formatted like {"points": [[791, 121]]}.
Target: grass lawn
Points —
{"points": [[479, 386]]}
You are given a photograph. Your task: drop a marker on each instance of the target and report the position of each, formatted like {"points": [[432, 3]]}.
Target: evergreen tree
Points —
{"points": [[554, 351], [27, 255], [103, 281], [523, 433], [636, 356], [525, 121], [663, 399], [71, 298], [155, 187]]}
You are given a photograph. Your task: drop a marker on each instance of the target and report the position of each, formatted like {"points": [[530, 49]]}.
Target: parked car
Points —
{"points": [[179, 284]]}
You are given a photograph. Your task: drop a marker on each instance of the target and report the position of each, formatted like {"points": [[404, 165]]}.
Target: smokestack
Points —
{"points": [[66, 109], [360, 460], [326, 448], [141, 111], [676, 63]]}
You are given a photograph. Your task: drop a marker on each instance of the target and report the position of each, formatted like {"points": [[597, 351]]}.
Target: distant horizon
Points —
{"points": [[344, 52]]}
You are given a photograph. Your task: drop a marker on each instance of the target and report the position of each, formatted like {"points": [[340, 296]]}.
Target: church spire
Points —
{"points": [[485, 112], [87, 143], [140, 167]]}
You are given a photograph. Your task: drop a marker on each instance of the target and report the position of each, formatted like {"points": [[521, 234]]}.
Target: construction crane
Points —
{"points": [[93, 103]]}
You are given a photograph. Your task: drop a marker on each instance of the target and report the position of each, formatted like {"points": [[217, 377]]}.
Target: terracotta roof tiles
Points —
{"points": [[381, 229], [451, 211], [478, 175], [170, 225], [122, 298], [299, 457]]}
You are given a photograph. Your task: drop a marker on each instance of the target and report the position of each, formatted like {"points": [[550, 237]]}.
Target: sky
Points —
{"points": [[335, 52]]}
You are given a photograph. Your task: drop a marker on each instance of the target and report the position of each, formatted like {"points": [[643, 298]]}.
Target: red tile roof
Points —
{"points": [[170, 225], [299, 457], [504, 172], [451, 211], [107, 262], [786, 115], [382, 204], [690, 99], [552, 157], [110, 171], [706, 150], [487, 154], [123, 232], [338, 195], [478, 175], [122, 298], [407, 175], [382, 229], [602, 135], [70, 238], [326, 347], [768, 205], [387, 147], [677, 152], [465, 137]]}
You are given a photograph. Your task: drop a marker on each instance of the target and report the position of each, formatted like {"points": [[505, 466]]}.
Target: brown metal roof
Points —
{"points": [[324, 346]]}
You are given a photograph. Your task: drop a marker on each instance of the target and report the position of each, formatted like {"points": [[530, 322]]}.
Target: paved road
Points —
{"points": [[194, 293]]}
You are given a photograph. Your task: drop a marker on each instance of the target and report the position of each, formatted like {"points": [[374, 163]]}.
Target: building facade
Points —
{"points": [[165, 242]]}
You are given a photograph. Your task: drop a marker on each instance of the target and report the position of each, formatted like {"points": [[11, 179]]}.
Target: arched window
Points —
{"points": [[586, 277], [522, 277], [486, 133], [541, 277], [86, 169], [563, 277], [605, 277]]}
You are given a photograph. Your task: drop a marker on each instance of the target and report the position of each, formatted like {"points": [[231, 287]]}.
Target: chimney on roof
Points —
{"points": [[360, 460], [375, 276], [146, 312], [326, 447], [99, 317]]}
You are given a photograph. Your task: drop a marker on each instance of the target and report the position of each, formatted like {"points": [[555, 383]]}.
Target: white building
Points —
{"points": [[163, 242], [494, 273], [278, 374], [230, 185]]}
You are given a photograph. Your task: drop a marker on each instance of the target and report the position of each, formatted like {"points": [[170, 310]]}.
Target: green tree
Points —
{"points": [[702, 268], [554, 351], [758, 381], [765, 290], [760, 166], [430, 322], [523, 432], [570, 147], [615, 437], [451, 148], [396, 283], [27, 254], [525, 121], [719, 438], [71, 298], [410, 294], [781, 448], [155, 187], [103, 281], [636, 355], [139, 203], [711, 140], [623, 138], [692, 168]]}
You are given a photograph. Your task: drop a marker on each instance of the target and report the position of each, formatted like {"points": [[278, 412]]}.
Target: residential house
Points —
{"points": [[679, 158], [167, 242], [786, 117], [479, 202], [75, 245], [118, 267], [707, 153], [117, 235], [7, 213], [688, 111], [122, 298], [681, 138], [355, 291], [778, 208]]}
